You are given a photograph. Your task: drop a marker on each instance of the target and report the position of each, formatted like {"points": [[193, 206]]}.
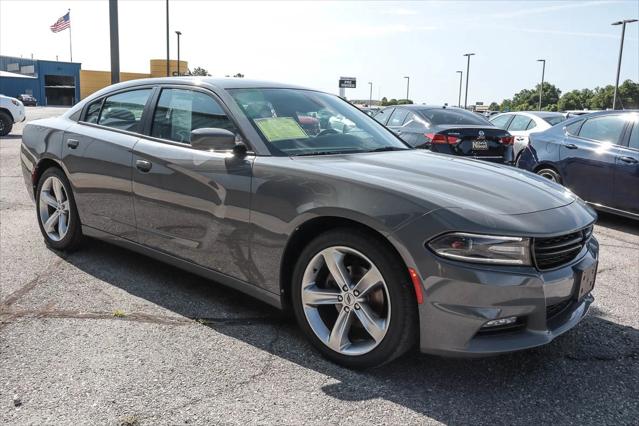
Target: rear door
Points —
{"points": [[626, 180], [413, 130], [190, 203], [396, 120], [97, 154], [588, 158]]}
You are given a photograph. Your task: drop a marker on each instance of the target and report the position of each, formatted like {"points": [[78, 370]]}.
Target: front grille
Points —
{"points": [[556, 251]]}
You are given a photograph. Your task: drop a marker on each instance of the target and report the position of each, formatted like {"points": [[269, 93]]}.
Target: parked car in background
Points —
{"points": [[596, 156], [28, 100], [11, 112], [521, 124], [577, 112], [449, 130], [489, 113], [370, 110], [376, 247]]}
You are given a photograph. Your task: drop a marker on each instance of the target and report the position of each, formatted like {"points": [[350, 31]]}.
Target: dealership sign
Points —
{"points": [[347, 82]]}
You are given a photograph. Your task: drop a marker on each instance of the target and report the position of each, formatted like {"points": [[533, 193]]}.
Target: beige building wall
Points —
{"points": [[91, 81]]}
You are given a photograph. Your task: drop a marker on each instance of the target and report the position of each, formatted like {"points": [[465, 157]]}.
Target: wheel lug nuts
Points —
{"points": [[356, 293], [345, 288], [340, 298], [346, 309], [357, 306]]}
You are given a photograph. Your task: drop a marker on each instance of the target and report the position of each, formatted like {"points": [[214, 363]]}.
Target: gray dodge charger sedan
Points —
{"points": [[297, 198]]}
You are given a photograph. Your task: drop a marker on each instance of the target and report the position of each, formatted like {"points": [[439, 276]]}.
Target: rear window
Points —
{"points": [[453, 116], [554, 120]]}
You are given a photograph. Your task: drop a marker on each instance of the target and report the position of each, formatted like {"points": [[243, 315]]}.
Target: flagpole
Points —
{"points": [[70, 47]]}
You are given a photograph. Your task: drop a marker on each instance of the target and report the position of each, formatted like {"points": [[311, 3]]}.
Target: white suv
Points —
{"points": [[11, 111]]}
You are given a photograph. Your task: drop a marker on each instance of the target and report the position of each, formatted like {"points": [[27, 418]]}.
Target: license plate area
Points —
{"points": [[587, 281], [480, 145]]}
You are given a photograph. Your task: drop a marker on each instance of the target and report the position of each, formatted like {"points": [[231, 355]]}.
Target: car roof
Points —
{"points": [[222, 83], [425, 107]]}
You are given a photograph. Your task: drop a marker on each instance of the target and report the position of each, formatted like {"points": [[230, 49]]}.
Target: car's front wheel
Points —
{"points": [[6, 123], [57, 213], [549, 174], [353, 299]]}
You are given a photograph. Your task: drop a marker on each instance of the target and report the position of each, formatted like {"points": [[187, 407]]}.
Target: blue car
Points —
{"points": [[596, 156]]}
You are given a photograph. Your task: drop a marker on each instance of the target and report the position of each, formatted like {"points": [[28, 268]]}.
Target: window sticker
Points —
{"points": [[280, 128]]}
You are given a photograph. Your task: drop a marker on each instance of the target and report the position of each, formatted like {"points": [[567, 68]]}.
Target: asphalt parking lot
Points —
{"points": [[105, 336]]}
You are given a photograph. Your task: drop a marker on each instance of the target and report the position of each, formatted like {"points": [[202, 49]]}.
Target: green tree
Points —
{"points": [[384, 101], [238, 75], [494, 106], [393, 101], [528, 99], [404, 102], [200, 71]]}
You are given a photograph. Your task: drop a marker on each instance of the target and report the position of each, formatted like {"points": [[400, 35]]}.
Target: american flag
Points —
{"points": [[61, 24]]}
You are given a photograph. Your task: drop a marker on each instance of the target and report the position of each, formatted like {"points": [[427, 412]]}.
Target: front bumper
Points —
{"points": [[459, 299]]}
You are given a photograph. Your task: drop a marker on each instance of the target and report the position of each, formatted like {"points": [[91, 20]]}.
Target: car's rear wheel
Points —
{"points": [[353, 300], [6, 123], [549, 174], [57, 213]]}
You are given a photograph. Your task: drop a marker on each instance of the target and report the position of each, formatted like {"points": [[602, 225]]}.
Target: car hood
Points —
{"points": [[443, 181]]}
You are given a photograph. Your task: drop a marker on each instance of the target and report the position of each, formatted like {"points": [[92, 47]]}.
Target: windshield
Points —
{"points": [[304, 122], [453, 116], [554, 119]]}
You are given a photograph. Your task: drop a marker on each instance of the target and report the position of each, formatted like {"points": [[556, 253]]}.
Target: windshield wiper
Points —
{"points": [[388, 148], [326, 153]]}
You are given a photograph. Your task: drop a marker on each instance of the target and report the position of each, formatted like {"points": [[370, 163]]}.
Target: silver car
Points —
{"points": [[375, 247]]}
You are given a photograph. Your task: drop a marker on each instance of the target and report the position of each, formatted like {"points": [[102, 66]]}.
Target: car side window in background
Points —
{"points": [[181, 111], [573, 128], [414, 121], [607, 128], [531, 125], [501, 121], [383, 115], [124, 110], [519, 123], [93, 111], [398, 116], [634, 136]]}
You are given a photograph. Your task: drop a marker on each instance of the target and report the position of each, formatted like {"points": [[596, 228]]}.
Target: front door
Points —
{"points": [[97, 154], [190, 203], [627, 172]]}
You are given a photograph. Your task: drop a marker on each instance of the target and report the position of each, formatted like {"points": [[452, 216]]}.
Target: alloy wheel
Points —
{"points": [[54, 208], [546, 174], [346, 300]]}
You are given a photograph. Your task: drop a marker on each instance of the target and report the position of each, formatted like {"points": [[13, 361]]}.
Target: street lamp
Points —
{"points": [[623, 33], [407, 86], [179, 33], [543, 71], [461, 73], [370, 95], [468, 55]]}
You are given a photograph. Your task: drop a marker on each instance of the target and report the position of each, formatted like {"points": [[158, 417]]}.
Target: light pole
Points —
{"points": [[370, 94], [468, 55], [407, 86], [623, 33], [461, 73], [115, 41], [543, 71], [179, 33], [168, 72]]}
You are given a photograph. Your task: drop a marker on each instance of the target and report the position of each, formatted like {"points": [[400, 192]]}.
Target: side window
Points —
{"points": [[531, 125], [93, 111], [124, 110], [501, 121], [180, 111], [383, 115], [413, 121], [607, 128], [519, 123], [398, 116], [634, 136], [573, 128]]}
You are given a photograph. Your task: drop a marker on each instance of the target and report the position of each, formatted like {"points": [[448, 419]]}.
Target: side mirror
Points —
{"points": [[212, 139]]}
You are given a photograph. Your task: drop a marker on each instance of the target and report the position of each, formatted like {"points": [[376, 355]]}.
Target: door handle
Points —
{"points": [[629, 160], [73, 143], [571, 146], [143, 165]]}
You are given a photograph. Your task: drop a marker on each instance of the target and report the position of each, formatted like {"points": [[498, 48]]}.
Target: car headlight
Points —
{"points": [[476, 248]]}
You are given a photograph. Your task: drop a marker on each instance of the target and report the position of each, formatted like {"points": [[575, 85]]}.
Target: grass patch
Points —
{"points": [[119, 313]]}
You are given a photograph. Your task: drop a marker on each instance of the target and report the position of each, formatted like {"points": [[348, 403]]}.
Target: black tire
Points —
{"points": [[550, 174], [402, 331], [73, 237], [6, 123]]}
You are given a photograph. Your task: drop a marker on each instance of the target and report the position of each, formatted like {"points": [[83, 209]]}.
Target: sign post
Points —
{"points": [[346, 83]]}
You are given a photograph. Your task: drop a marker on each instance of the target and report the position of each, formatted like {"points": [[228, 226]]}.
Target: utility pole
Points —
{"points": [[115, 41], [461, 74], [623, 34], [543, 71], [179, 33], [370, 95], [468, 55], [168, 72], [407, 86]]}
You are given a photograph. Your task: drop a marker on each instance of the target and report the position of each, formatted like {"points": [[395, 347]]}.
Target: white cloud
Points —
{"points": [[402, 11]]}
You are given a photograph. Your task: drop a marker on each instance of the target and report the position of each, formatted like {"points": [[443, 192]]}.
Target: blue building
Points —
{"points": [[50, 82]]}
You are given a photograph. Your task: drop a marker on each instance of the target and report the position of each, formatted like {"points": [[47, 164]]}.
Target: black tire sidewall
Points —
{"points": [[402, 299], [7, 123], [550, 171], [74, 231]]}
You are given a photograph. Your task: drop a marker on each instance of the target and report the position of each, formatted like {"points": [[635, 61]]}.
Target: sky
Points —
{"points": [[314, 43]]}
